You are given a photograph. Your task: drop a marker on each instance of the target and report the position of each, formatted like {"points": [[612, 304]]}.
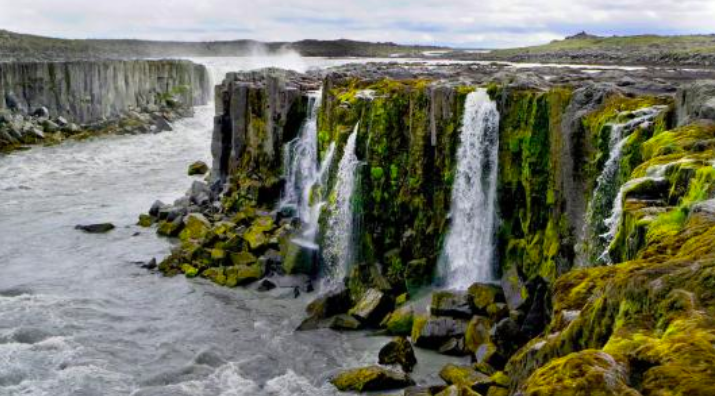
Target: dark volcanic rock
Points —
{"points": [[96, 228], [450, 303], [435, 331], [372, 307], [398, 351]]}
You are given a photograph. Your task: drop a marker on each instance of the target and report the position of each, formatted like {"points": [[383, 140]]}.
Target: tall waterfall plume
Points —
{"points": [[468, 252], [338, 249], [305, 176]]}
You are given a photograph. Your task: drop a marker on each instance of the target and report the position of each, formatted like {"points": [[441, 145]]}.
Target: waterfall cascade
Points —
{"points": [[607, 193], [305, 176], [338, 250], [468, 252]]}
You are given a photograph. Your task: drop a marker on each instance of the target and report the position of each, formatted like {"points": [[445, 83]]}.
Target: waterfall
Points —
{"points": [[305, 176], [607, 194], [468, 252], [338, 247]]}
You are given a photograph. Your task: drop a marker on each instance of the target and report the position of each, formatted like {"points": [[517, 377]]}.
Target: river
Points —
{"points": [[79, 317]]}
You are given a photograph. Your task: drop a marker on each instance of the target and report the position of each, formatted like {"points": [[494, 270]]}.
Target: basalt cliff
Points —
{"points": [[600, 276]]}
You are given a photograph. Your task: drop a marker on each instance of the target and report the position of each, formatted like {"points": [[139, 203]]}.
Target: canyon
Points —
{"points": [[417, 228]]}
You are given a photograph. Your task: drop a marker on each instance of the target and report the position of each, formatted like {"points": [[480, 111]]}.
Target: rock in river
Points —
{"points": [[370, 379], [99, 228]]}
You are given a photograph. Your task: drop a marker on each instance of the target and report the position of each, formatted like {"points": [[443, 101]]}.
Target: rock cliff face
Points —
{"points": [[605, 197], [85, 92]]}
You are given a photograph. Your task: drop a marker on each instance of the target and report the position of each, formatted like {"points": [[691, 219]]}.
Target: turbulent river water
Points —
{"points": [[79, 317]]}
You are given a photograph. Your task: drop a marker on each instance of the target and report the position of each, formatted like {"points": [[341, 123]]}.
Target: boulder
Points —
{"points": [[433, 332], [450, 303], [466, 376], [477, 333], [198, 168], [300, 258], [370, 379], [170, 228], [95, 228], [41, 112], [243, 258], [515, 291], [399, 322], [424, 390], [266, 285], [196, 226], [255, 238], [146, 220], [507, 336], [330, 304], [482, 295], [345, 322], [372, 307], [489, 355], [156, 207], [240, 275], [538, 315], [199, 193], [398, 351], [454, 347]]}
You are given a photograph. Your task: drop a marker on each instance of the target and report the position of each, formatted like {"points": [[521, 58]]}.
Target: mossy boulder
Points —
{"points": [[432, 332], [588, 372], [241, 275], [198, 168], [196, 226], [398, 351], [372, 307], [483, 295], [345, 322], [477, 333], [170, 228], [256, 238], [146, 220], [243, 258], [456, 390], [300, 258], [399, 322], [467, 376], [370, 379], [189, 270]]}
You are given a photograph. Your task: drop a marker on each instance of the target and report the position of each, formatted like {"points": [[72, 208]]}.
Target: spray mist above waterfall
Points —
{"points": [[468, 252], [338, 249]]}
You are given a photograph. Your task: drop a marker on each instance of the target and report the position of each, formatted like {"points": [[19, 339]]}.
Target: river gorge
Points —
{"points": [[530, 230]]}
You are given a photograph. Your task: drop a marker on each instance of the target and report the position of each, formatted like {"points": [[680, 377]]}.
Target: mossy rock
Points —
{"points": [[451, 303], [198, 168], [477, 333], [256, 238], [399, 322], [467, 376], [456, 390], [243, 258], [588, 372], [372, 307], [170, 228], [189, 270], [216, 275], [241, 275], [300, 259], [398, 351], [146, 220], [196, 226], [482, 295], [370, 379]]}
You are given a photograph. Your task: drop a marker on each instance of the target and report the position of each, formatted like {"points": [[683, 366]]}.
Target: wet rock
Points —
{"points": [[170, 228], [372, 307], [454, 347], [399, 322], [95, 228], [477, 333], [514, 289], [398, 351], [345, 322], [482, 295], [162, 125], [449, 303], [370, 379], [156, 207], [424, 390], [198, 168], [433, 332], [150, 265], [146, 220], [200, 193], [331, 304], [266, 285], [466, 376], [196, 226], [240, 275], [507, 336], [488, 354]]}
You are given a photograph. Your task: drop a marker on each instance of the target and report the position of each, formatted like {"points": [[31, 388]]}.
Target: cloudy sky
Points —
{"points": [[465, 23]]}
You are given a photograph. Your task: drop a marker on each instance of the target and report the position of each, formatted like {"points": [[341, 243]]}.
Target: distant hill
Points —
{"points": [[17, 47], [690, 50]]}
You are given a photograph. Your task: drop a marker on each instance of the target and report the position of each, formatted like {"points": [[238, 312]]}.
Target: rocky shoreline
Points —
{"points": [[558, 321], [47, 103]]}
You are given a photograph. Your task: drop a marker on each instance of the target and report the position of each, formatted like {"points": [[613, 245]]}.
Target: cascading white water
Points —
{"points": [[605, 182], [468, 252], [338, 247]]}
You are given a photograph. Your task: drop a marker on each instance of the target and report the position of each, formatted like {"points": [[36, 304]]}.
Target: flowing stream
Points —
{"points": [[79, 317], [468, 252]]}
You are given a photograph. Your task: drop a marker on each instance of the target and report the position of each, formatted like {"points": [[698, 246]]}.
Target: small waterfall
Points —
{"points": [[607, 194], [338, 249], [305, 176], [468, 252]]}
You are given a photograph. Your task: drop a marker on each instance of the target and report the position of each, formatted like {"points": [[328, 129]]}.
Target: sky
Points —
{"points": [[459, 23]]}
